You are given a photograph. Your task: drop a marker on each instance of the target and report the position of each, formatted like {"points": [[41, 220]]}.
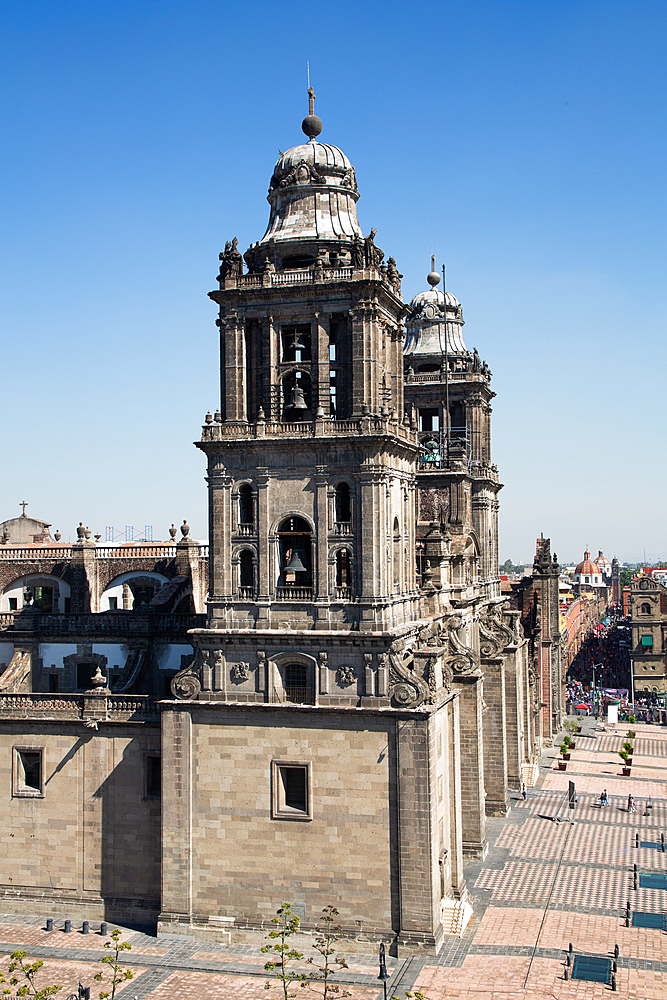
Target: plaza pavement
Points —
{"points": [[544, 884]]}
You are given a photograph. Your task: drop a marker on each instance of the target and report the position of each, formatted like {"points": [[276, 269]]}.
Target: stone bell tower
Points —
{"points": [[310, 462], [318, 723]]}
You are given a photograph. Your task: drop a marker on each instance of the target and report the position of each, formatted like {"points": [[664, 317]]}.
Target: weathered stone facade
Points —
{"points": [[358, 697]]}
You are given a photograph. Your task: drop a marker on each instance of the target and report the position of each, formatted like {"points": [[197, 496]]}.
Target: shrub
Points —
{"points": [[563, 748], [623, 754], [567, 740], [631, 734], [632, 719], [627, 746]]}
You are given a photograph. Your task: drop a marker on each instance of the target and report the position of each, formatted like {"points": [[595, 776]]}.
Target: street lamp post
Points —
{"points": [[384, 975]]}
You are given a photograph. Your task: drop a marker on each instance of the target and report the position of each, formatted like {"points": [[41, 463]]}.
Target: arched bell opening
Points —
{"points": [[246, 512], [295, 559], [296, 397]]}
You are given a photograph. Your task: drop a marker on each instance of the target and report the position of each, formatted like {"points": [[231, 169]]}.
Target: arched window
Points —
{"points": [[342, 503], [296, 397], [245, 504], [295, 559], [246, 575], [397, 556], [646, 609]]}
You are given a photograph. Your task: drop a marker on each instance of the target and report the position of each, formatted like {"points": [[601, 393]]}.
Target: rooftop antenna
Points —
{"points": [[444, 306]]}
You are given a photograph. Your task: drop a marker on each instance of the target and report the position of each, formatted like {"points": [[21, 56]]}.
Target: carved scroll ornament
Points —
{"points": [[186, 685]]}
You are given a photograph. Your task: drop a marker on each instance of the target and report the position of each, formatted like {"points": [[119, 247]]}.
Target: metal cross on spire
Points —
{"points": [[311, 101], [24, 504]]}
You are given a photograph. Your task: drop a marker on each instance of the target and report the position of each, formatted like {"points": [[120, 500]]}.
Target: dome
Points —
{"points": [[587, 567], [434, 299], [425, 323], [603, 564], [320, 155], [313, 195]]}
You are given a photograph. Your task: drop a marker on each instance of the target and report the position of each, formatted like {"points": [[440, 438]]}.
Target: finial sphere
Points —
{"points": [[433, 278], [312, 126]]}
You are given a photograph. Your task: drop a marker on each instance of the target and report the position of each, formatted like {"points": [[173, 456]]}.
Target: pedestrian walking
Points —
{"points": [[524, 792], [632, 808], [604, 799]]}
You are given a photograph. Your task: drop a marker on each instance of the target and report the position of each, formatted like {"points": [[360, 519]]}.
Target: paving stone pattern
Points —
{"points": [[544, 883]]}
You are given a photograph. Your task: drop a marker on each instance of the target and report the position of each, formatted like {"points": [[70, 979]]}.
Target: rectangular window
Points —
{"points": [[153, 776], [647, 640], [13, 604], [113, 604], [53, 683], [28, 772], [291, 792]]}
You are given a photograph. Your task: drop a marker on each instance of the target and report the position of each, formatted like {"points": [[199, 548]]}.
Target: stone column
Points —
{"points": [[263, 523], [495, 748], [454, 791], [473, 831], [419, 873], [321, 528], [176, 821], [233, 373]]}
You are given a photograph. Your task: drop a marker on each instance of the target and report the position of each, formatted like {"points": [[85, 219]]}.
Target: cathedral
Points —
{"points": [[325, 704]]}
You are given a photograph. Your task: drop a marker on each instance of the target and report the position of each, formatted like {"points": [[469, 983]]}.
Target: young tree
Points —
{"points": [[28, 971], [287, 924], [326, 938], [118, 973]]}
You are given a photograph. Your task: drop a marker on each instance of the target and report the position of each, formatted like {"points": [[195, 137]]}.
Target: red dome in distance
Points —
{"points": [[587, 567]]}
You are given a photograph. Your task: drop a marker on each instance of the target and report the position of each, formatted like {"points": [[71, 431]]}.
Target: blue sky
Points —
{"points": [[525, 141]]}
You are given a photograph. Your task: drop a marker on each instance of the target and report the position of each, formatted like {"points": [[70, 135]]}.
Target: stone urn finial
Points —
{"points": [[57, 536], [88, 534], [98, 680], [217, 416], [80, 531], [209, 417], [172, 532], [97, 539], [185, 529]]}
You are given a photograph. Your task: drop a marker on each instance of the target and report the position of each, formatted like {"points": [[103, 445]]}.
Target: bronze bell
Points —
{"points": [[298, 402], [295, 564], [299, 343]]}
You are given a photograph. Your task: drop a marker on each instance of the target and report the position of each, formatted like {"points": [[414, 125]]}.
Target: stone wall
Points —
{"points": [[88, 845]]}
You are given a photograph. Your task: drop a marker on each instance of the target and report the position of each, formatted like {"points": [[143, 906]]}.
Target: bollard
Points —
{"points": [[86, 993], [570, 949], [567, 974], [49, 924], [567, 960], [634, 868], [85, 927], [613, 966], [662, 842], [613, 983], [615, 951], [636, 840], [68, 926], [103, 930]]}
